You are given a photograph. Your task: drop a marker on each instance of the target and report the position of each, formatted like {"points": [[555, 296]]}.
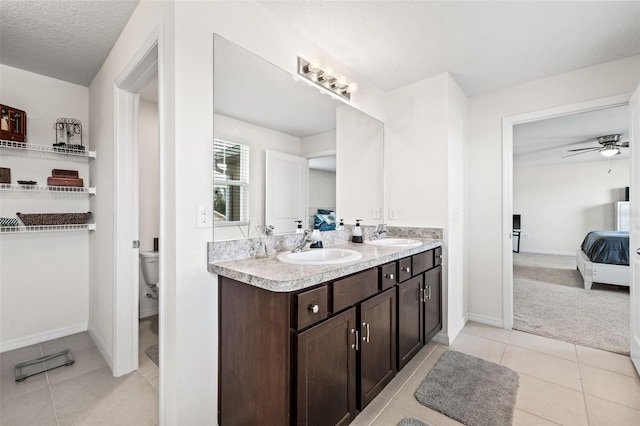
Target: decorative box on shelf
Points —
{"points": [[13, 124], [61, 177]]}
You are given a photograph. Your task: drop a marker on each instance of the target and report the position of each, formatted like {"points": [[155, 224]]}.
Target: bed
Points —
{"points": [[603, 257]]}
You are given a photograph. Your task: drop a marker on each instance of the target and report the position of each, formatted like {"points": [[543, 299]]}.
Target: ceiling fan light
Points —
{"points": [[610, 151]]}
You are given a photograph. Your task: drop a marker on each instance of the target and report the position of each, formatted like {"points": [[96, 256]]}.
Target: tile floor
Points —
{"points": [[85, 393], [560, 383]]}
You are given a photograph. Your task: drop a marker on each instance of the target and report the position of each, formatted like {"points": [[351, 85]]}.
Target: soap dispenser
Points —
{"points": [[315, 236], [340, 226], [357, 232], [299, 228]]}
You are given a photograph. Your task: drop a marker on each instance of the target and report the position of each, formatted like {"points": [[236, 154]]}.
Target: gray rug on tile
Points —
{"points": [[470, 390], [153, 353], [552, 302], [407, 421]]}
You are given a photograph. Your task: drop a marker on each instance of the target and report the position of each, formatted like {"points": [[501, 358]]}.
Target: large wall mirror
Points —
{"points": [[306, 151]]}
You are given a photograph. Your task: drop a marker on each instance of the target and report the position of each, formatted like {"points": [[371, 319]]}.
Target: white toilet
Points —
{"points": [[150, 270]]}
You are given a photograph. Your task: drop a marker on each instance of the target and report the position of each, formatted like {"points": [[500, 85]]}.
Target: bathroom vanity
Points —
{"points": [[313, 345]]}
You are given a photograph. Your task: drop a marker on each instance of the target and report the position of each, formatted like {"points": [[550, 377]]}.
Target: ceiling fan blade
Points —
{"points": [[584, 149], [583, 152]]}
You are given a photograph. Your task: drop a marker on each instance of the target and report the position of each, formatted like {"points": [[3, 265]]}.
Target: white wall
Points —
{"points": [[259, 140], [560, 203], [484, 163], [425, 134], [149, 194], [43, 277]]}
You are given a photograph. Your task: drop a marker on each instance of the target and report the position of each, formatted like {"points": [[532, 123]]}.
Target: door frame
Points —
{"points": [[145, 64], [507, 182]]}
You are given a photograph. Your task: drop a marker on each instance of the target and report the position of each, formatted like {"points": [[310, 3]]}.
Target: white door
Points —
{"points": [[286, 198], [634, 243]]}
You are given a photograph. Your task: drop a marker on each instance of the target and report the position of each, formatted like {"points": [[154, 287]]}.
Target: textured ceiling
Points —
{"points": [[63, 39], [547, 141], [484, 45]]}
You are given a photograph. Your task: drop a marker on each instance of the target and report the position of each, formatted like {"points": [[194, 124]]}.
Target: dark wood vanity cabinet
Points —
{"points": [[326, 372], [320, 355], [432, 302], [410, 319], [419, 303], [378, 345]]}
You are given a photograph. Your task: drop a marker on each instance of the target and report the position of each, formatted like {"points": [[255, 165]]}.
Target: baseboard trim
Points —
{"points": [[560, 253], [148, 312], [486, 320], [34, 339], [102, 348], [449, 337]]}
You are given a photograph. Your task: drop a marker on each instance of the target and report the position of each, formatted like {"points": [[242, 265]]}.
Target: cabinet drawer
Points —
{"points": [[388, 275], [311, 306], [422, 262], [437, 253], [404, 269], [354, 289]]}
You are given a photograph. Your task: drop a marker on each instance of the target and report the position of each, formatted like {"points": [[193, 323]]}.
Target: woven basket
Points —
{"points": [[39, 219]]}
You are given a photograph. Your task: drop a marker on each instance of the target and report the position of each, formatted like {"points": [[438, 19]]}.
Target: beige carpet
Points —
{"points": [[549, 300]]}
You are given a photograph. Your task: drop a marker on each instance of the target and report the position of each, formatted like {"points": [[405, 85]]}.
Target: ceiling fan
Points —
{"points": [[609, 146]]}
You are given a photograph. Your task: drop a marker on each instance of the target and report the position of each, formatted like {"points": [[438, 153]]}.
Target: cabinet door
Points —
{"points": [[432, 298], [326, 372], [378, 348], [410, 319]]}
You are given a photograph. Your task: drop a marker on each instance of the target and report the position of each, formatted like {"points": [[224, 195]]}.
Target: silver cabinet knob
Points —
{"points": [[314, 308], [408, 270], [389, 276], [638, 251]]}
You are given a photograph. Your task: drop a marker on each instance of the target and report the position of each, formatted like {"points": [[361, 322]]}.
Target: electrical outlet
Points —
{"points": [[526, 236], [203, 217], [375, 213], [393, 213]]}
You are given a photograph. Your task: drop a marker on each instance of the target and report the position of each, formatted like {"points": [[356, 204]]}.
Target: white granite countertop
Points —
{"points": [[271, 274]]}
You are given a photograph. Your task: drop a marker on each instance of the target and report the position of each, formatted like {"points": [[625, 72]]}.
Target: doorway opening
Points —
{"points": [[555, 212]]}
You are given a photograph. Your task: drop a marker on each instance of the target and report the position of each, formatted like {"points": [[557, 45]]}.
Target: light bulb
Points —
{"points": [[313, 77], [328, 73], [352, 88], [342, 81], [314, 65]]}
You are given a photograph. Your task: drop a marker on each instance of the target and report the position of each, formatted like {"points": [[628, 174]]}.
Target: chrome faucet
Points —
{"points": [[381, 230], [268, 230], [306, 239]]}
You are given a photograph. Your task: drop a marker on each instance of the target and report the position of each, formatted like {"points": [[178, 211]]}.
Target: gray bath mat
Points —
{"points": [[407, 421], [152, 352], [470, 390]]}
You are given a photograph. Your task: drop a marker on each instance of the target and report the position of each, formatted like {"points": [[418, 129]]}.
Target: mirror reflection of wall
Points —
{"points": [[267, 109]]}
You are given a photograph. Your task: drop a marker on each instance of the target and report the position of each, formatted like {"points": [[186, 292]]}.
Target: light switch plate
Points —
{"points": [[393, 213], [375, 213]]}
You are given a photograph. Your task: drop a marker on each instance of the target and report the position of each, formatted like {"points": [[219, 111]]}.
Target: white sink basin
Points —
{"points": [[328, 256], [395, 242]]}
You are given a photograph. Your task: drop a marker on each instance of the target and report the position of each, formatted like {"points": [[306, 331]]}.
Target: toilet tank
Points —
{"points": [[150, 266]]}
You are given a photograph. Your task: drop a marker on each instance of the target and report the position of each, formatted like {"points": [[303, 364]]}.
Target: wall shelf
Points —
{"points": [[46, 188], [46, 228], [46, 149]]}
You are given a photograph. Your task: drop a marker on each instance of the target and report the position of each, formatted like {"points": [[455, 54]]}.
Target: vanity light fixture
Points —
{"points": [[325, 77]]}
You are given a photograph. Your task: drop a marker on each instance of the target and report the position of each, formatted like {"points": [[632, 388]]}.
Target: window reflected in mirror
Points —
{"points": [[231, 183]]}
